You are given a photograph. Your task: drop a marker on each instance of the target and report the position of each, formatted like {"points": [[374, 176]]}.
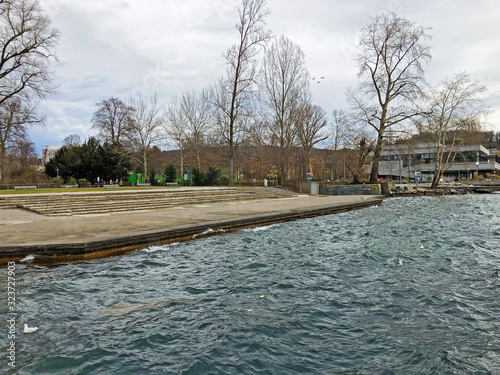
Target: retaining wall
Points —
{"points": [[371, 189]]}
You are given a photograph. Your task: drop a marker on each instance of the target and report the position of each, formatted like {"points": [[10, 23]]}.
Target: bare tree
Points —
{"points": [[146, 126], [27, 43], [25, 162], [176, 131], [455, 112], [234, 93], [285, 91], [311, 129], [340, 128], [72, 140], [197, 116], [16, 116], [111, 120], [393, 50], [358, 147], [258, 144]]}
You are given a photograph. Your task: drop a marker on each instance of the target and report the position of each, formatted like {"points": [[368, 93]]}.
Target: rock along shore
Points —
{"points": [[443, 190]]}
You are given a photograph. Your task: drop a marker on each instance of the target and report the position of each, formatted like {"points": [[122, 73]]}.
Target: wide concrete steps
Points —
{"points": [[101, 203], [4, 204]]}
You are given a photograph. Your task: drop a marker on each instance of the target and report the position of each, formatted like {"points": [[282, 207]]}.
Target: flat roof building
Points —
{"points": [[402, 161]]}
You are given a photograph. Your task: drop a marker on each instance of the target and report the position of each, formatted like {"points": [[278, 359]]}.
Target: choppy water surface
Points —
{"points": [[410, 287]]}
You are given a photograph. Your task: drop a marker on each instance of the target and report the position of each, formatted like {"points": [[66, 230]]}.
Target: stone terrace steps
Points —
{"points": [[129, 199], [109, 206], [4, 204], [109, 202], [131, 196]]}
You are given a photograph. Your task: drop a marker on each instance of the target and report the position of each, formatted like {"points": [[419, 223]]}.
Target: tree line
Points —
{"points": [[259, 112]]}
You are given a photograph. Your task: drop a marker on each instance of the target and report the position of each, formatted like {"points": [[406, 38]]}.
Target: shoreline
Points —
{"points": [[84, 237], [417, 191]]}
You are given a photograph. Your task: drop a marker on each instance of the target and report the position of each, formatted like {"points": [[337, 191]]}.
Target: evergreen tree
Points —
{"points": [[89, 161]]}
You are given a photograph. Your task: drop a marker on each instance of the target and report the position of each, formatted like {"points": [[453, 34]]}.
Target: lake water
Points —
{"points": [[409, 287]]}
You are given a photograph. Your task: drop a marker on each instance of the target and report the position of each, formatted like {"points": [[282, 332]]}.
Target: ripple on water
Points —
{"points": [[419, 293]]}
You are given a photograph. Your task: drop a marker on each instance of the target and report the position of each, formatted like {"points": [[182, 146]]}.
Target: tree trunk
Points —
{"points": [[376, 158], [231, 169], [306, 161], [435, 180], [438, 170], [261, 172], [145, 156], [182, 168], [3, 163]]}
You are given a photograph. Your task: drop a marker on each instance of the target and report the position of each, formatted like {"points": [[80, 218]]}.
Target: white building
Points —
{"points": [[48, 152], [403, 161]]}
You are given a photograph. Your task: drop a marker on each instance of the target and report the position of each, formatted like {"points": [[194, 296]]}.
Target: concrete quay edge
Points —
{"points": [[88, 245]]}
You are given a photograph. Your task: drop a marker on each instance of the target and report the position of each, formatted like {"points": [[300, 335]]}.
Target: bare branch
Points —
{"points": [[27, 45], [112, 120], [147, 122], [233, 95], [454, 110], [393, 50]]}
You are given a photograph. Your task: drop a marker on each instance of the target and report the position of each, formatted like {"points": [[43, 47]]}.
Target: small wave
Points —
{"points": [[259, 229], [28, 258], [208, 232], [153, 249], [119, 309]]}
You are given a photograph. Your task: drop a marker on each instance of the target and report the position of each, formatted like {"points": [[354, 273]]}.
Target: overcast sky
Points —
{"points": [[119, 48]]}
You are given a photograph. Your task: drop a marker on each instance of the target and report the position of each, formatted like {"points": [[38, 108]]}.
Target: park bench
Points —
{"points": [[25, 187], [139, 184], [172, 184], [70, 186], [111, 186]]}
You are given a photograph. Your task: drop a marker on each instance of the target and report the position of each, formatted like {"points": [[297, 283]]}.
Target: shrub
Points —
{"points": [[212, 176], [170, 173], [224, 180], [198, 177], [82, 182], [152, 179], [71, 181], [55, 182]]}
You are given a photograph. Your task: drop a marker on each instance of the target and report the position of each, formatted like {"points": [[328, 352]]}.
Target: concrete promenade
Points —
{"points": [[24, 232]]}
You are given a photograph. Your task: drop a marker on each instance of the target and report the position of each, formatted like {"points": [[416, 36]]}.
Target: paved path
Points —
{"points": [[24, 233]]}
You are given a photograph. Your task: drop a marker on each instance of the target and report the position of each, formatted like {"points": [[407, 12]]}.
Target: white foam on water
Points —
{"points": [[153, 249], [28, 258], [259, 229], [208, 231]]}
